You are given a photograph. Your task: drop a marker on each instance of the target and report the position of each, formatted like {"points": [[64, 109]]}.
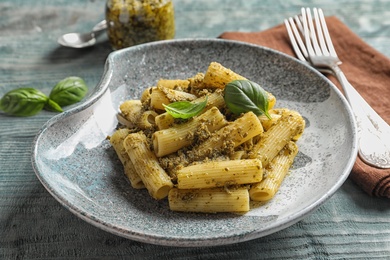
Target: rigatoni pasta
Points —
{"points": [[220, 174], [130, 110], [162, 95], [117, 141], [154, 177], [209, 200], [230, 136], [277, 170], [170, 140], [217, 76], [213, 160], [290, 125]]}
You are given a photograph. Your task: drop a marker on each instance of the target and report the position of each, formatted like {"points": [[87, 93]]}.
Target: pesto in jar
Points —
{"points": [[132, 22]]}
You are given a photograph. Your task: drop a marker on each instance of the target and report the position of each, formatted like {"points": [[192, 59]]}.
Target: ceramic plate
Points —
{"points": [[77, 165]]}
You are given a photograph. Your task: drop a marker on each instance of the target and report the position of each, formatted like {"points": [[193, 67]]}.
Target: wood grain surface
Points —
{"points": [[33, 225]]}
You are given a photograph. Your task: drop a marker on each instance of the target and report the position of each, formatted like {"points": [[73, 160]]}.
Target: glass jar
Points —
{"points": [[132, 22]]}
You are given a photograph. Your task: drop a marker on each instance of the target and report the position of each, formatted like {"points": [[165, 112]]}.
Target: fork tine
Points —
{"points": [[298, 22], [295, 38], [320, 36], [297, 33], [293, 41], [326, 33], [312, 32], [306, 34]]}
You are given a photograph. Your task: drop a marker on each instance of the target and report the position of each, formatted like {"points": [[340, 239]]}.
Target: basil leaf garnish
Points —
{"points": [[69, 91], [185, 109], [242, 96], [23, 102]]}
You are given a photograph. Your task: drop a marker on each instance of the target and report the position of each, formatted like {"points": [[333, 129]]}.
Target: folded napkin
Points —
{"points": [[367, 70]]}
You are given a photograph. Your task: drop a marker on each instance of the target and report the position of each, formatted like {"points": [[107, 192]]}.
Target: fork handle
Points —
{"points": [[373, 131]]}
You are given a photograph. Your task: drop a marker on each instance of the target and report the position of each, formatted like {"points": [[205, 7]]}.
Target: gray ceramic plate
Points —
{"points": [[77, 165]]}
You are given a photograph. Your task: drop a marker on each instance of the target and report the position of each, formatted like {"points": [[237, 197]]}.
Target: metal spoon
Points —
{"points": [[82, 40]]}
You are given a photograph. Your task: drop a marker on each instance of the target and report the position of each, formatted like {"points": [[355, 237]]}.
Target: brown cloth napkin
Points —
{"points": [[367, 70]]}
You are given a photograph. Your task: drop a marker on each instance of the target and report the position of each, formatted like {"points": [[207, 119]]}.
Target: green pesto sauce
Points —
{"points": [[132, 22]]}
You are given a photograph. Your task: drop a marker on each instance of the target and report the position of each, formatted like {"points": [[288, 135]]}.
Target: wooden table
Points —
{"points": [[33, 225]]}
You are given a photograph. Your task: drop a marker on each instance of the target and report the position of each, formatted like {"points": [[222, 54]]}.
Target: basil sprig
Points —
{"points": [[30, 101], [185, 109], [242, 96]]}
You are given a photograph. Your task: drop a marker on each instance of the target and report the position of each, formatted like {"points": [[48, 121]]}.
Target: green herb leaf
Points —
{"points": [[185, 109], [53, 106], [23, 102], [242, 96], [68, 91]]}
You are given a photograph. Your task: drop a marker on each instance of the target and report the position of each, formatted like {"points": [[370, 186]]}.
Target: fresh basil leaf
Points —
{"points": [[242, 96], [23, 102], [185, 109], [69, 91], [53, 106]]}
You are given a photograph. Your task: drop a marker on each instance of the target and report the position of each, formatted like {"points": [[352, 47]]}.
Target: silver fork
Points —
{"points": [[317, 49]]}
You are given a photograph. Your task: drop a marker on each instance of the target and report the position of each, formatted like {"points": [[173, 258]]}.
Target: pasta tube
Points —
{"points": [[271, 100], [131, 111], [164, 121], [233, 134], [219, 174], [165, 96], [272, 141], [116, 141], [154, 177], [217, 76], [158, 98], [275, 174], [172, 139], [209, 200], [145, 97], [266, 122], [147, 119]]}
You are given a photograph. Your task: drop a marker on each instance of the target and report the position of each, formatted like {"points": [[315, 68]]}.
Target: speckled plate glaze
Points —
{"points": [[77, 165]]}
